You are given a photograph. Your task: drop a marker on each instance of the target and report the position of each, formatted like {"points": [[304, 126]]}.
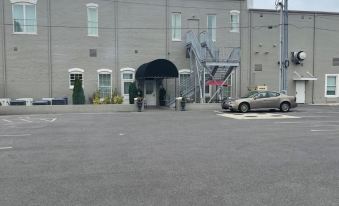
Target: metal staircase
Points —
{"points": [[205, 58]]}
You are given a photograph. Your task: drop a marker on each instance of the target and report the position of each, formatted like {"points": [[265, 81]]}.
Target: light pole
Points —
{"points": [[284, 60]]}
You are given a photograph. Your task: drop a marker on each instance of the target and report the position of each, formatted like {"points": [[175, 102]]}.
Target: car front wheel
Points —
{"points": [[285, 107], [244, 107]]}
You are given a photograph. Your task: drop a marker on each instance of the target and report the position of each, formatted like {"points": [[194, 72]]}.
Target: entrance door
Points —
{"points": [[300, 92], [150, 92]]}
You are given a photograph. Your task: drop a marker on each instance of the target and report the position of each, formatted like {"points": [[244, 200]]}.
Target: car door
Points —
{"points": [[261, 100], [274, 100]]}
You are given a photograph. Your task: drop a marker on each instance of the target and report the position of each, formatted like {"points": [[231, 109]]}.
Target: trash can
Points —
{"points": [[41, 102], [18, 103], [178, 103]]}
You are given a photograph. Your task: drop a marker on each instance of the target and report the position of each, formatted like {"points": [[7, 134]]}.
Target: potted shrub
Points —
{"points": [[183, 103], [133, 92], [78, 92], [162, 96]]}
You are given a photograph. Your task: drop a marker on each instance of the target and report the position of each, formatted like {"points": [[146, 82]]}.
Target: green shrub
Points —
{"points": [[96, 97], [78, 93], [133, 92], [107, 100], [118, 100]]}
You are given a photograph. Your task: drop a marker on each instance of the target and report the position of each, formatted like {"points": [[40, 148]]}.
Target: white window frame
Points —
{"points": [[337, 85], [24, 3], [213, 28], [105, 71], [176, 27], [235, 13], [92, 6], [122, 72], [75, 71]]}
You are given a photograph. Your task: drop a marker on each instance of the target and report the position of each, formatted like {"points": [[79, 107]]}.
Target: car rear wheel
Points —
{"points": [[244, 107], [285, 107]]}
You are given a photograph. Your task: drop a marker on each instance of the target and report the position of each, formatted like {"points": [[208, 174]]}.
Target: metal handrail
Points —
{"points": [[192, 39], [205, 40]]}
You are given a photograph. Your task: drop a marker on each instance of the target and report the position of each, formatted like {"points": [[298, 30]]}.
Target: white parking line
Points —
{"points": [[289, 122], [256, 116], [15, 135], [49, 120], [25, 120], [324, 130], [6, 120], [4, 148]]}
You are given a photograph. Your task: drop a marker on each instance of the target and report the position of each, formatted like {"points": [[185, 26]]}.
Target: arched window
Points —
{"points": [[92, 19], [24, 16], [75, 73], [105, 82]]}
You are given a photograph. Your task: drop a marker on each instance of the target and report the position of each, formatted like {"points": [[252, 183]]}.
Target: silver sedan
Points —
{"points": [[260, 100]]}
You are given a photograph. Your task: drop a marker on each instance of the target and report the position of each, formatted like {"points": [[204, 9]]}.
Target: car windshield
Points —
{"points": [[250, 94]]}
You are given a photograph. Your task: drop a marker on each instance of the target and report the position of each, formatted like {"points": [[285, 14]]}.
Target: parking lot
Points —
{"points": [[171, 158]]}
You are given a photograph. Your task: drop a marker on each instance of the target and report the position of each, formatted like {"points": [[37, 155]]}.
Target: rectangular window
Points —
{"points": [[331, 85], [235, 21], [126, 87], [127, 76], [92, 17], [24, 18], [212, 27], [72, 77], [184, 83], [176, 27], [105, 85]]}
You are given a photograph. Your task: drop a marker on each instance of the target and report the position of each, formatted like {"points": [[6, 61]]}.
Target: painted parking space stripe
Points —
{"points": [[5, 148], [6, 120], [49, 120], [256, 116], [15, 135], [26, 120], [324, 130]]}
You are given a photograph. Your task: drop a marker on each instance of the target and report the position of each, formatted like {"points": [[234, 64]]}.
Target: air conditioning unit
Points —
{"points": [[298, 57]]}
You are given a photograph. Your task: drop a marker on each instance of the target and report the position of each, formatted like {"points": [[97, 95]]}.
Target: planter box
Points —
{"points": [[58, 109]]}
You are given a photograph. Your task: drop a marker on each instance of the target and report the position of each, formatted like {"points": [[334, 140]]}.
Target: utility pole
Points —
{"points": [[284, 60]]}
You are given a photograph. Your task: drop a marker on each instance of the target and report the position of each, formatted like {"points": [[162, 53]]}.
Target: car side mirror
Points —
{"points": [[255, 98]]}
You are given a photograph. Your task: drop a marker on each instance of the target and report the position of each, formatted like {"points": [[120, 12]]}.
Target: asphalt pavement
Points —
{"points": [[168, 158]]}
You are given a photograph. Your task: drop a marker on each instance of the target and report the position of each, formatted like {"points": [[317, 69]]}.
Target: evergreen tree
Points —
{"points": [[78, 92], [133, 92]]}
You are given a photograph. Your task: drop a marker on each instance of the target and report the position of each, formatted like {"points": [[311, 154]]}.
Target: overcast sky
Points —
{"points": [[304, 5]]}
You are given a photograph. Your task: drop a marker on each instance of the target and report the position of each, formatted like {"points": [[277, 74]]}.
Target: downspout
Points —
{"points": [[166, 30], [4, 56], [116, 16], [250, 33], [240, 44], [313, 85], [50, 64], [166, 37]]}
